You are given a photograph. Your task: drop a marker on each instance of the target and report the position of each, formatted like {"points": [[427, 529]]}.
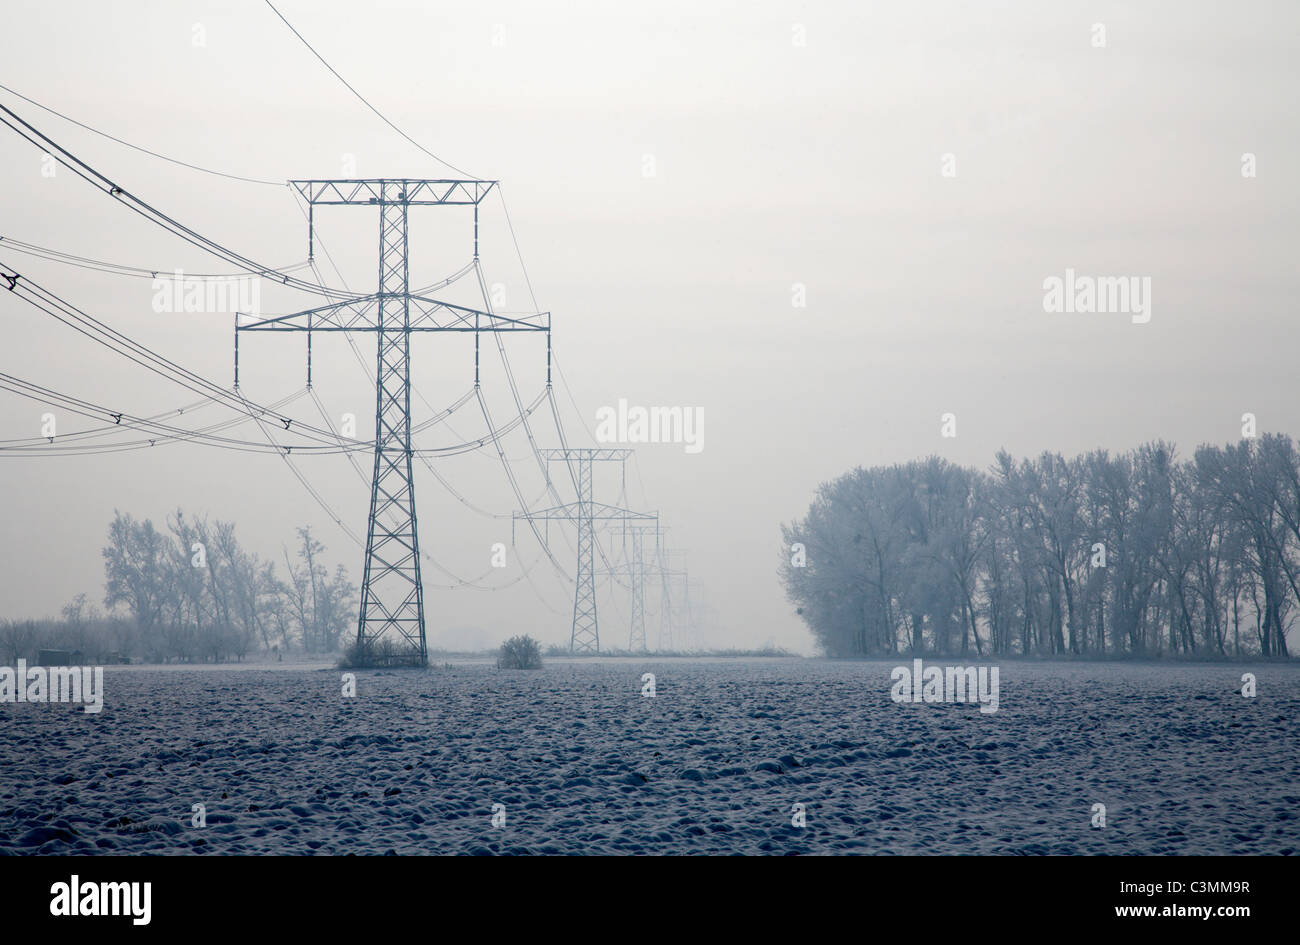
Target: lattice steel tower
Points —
{"points": [[585, 634], [636, 641], [668, 603], [391, 627]]}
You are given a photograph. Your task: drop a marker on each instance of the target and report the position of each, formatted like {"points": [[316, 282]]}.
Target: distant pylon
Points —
{"points": [[636, 635], [637, 571], [665, 614], [670, 606], [584, 637]]}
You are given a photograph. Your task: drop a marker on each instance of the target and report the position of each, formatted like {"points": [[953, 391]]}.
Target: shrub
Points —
{"points": [[383, 652], [520, 653]]}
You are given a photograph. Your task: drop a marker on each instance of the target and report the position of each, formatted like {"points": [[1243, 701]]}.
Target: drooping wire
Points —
{"points": [[611, 570], [311, 490], [442, 417], [44, 445], [150, 213], [99, 265], [514, 484], [134, 147], [361, 97], [445, 415], [95, 432], [84, 408], [460, 582], [510, 375], [319, 441], [41, 298]]}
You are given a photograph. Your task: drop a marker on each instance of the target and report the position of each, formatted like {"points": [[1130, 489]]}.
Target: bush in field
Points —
{"points": [[382, 652], [520, 653], [354, 657]]}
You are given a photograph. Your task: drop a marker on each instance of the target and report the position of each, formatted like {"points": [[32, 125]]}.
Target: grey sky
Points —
{"points": [[775, 164]]}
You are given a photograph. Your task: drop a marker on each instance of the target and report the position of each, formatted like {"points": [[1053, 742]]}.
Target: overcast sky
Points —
{"points": [[790, 142]]}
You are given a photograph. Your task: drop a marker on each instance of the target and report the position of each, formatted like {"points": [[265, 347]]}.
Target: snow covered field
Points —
{"points": [[580, 761]]}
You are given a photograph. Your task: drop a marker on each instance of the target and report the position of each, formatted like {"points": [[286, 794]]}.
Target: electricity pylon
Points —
{"points": [[392, 596], [584, 636], [668, 605], [637, 572]]}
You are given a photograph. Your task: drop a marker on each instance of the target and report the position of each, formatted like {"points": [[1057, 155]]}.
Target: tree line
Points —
{"points": [[191, 592], [1135, 554]]}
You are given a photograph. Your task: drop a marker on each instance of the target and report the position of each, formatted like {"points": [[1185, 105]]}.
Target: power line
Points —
{"points": [[95, 432], [559, 425], [569, 390], [152, 214], [514, 239], [86, 408], [510, 375], [445, 415], [154, 362], [77, 440], [320, 500], [320, 441], [100, 265], [134, 147], [361, 97], [460, 582], [36, 295]]}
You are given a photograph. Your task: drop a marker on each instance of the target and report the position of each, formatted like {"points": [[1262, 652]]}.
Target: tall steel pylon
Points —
{"points": [[668, 604], [638, 570], [584, 636], [636, 633], [391, 624], [636, 641]]}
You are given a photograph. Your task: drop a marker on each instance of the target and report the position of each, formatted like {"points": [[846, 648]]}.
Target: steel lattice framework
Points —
{"points": [[637, 571], [391, 626], [636, 633], [585, 512], [667, 602]]}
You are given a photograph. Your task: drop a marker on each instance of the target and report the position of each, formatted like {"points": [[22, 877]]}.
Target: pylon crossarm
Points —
{"points": [[595, 511], [410, 192], [339, 316], [425, 312], [426, 315], [612, 513], [596, 455]]}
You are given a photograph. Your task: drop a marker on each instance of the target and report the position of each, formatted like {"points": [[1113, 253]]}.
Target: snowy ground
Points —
{"points": [[584, 763]]}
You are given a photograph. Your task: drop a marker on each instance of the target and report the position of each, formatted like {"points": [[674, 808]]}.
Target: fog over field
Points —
{"points": [[791, 428], [680, 178]]}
